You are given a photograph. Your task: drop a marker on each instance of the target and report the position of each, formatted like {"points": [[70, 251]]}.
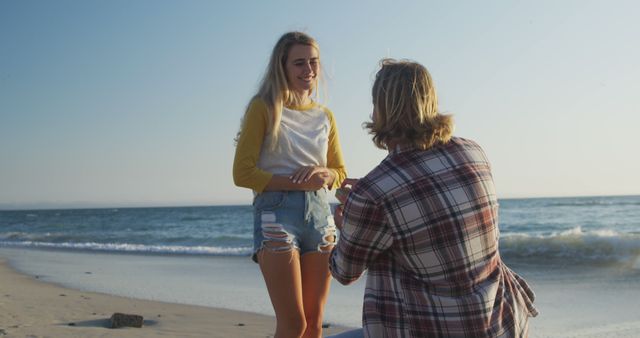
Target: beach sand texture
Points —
{"points": [[42, 292], [32, 308], [587, 306]]}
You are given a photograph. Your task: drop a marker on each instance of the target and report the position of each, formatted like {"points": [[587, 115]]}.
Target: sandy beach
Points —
{"points": [[32, 308], [59, 293]]}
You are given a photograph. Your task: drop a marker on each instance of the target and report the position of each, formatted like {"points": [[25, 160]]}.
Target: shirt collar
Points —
{"points": [[402, 148], [302, 107]]}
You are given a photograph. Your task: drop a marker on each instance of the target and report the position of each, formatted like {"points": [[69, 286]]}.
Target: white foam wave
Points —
{"points": [[595, 202], [138, 248], [597, 246]]}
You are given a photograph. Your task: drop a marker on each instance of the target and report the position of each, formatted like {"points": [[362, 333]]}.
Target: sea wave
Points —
{"points": [[193, 219], [135, 248], [592, 203], [574, 245], [139, 236]]}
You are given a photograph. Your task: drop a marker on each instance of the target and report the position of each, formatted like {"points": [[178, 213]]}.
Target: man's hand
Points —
{"points": [[342, 194], [338, 216]]}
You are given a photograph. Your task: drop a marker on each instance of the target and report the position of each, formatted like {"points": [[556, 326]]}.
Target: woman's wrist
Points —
{"points": [[282, 183], [321, 178]]}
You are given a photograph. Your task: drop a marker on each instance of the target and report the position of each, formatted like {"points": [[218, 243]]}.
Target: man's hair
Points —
{"points": [[406, 107]]}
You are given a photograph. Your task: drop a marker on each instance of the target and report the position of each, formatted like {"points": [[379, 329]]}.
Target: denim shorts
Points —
{"points": [[301, 219]]}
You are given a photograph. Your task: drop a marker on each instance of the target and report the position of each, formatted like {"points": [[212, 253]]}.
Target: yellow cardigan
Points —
{"points": [[245, 171]]}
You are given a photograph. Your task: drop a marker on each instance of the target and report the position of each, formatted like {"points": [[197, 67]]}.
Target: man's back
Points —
{"points": [[424, 223]]}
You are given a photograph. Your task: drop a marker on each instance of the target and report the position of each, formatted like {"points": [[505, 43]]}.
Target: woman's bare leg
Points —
{"points": [[316, 280], [281, 272]]}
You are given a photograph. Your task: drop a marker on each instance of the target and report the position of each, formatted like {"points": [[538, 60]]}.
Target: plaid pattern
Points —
{"points": [[424, 224]]}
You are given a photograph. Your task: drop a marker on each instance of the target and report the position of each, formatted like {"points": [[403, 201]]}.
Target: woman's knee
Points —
{"points": [[313, 327]]}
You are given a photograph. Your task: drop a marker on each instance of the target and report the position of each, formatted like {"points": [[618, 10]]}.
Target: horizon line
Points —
{"points": [[43, 206]]}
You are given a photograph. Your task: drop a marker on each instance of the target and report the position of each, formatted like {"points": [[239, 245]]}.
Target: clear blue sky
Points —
{"points": [[125, 103]]}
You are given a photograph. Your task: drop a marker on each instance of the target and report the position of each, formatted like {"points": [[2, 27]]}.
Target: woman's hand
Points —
{"points": [[312, 178]]}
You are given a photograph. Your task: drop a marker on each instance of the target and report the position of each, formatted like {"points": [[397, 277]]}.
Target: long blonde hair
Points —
{"points": [[406, 107], [274, 88]]}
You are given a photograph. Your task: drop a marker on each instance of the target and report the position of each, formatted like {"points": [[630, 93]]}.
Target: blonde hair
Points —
{"points": [[274, 88], [406, 107]]}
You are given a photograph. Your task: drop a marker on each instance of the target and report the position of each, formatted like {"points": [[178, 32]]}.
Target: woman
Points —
{"points": [[289, 154], [424, 222]]}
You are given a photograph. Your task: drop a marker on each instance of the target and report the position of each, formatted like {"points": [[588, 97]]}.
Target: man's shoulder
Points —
{"points": [[381, 180]]}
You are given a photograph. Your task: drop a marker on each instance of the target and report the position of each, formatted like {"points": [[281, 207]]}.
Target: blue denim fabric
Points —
{"points": [[300, 218]]}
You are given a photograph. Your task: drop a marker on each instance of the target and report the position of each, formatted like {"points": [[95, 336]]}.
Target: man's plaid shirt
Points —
{"points": [[425, 226]]}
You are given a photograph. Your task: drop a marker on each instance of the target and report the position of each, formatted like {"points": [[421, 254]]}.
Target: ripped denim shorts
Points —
{"points": [[301, 219]]}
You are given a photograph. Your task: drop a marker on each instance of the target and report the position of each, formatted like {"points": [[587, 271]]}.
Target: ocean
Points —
{"points": [[581, 230], [580, 255]]}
